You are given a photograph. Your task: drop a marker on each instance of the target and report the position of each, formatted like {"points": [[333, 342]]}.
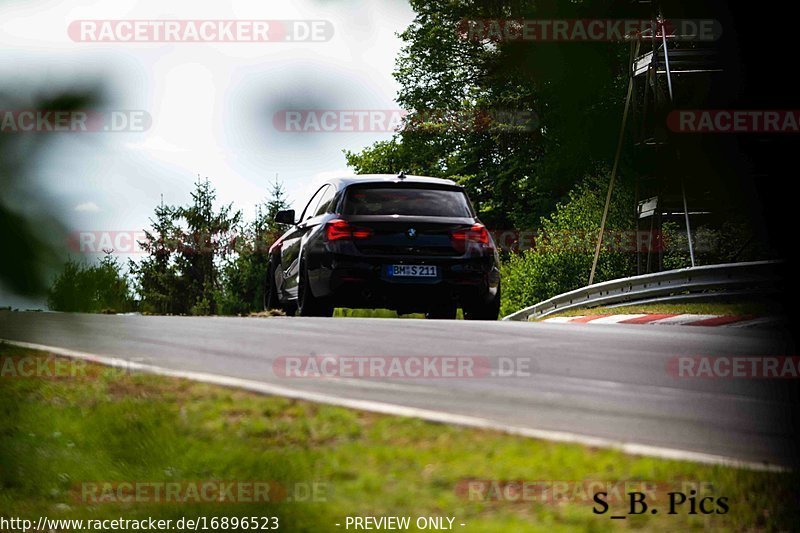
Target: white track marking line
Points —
{"points": [[410, 412], [613, 319], [561, 319], [681, 320]]}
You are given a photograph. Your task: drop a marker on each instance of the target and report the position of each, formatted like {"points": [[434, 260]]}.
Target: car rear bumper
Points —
{"points": [[350, 281]]}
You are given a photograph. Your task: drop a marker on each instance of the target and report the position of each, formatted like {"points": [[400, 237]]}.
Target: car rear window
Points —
{"points": [[406, 201]]}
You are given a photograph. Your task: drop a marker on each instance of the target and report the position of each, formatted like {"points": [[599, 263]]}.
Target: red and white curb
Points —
{"points": [[672, 319]]}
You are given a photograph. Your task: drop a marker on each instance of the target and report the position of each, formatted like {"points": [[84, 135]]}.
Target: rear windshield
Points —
{"points": [[405, 201]]}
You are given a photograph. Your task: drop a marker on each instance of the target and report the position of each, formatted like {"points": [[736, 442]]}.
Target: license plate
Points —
{"points": [[412, 271]]}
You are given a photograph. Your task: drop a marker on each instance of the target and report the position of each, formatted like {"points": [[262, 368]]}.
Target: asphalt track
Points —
{"points": [[603, 385]]}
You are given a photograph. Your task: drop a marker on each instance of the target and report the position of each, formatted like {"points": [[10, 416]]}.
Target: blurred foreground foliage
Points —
{"points": [[31, 237]]}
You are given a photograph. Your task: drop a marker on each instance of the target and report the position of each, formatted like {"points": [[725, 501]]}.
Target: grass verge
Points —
{"points": [[100, 425], [727, 308], [382, 313]]}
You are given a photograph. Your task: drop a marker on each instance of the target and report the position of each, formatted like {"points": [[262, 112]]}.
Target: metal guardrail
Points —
{"points": [[726, 277]]}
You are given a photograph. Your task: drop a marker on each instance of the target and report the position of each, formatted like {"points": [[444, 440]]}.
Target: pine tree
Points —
{"points": [[205, 242], [245, 274], [159, 284]]}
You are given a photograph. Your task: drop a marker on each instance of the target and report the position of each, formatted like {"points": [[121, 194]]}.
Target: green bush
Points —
{"points": [[561, 258], [85, 288], [730, 242]]}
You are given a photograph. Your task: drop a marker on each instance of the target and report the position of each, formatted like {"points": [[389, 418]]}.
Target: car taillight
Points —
{"points": [[338, 229], [475, 235]]}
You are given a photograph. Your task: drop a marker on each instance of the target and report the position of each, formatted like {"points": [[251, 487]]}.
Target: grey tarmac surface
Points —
{"points": [[608, 381]]}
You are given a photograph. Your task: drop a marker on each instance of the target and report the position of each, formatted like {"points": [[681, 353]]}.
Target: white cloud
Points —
{"points": [[156, 144], [212, 104], [87, 207]]}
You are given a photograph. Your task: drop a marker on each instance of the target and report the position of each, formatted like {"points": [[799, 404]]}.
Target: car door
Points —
{"points": [[312, 248], [290, 251]]}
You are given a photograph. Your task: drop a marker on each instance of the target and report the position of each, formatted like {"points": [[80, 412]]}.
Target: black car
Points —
{"points": [[408, 243]]}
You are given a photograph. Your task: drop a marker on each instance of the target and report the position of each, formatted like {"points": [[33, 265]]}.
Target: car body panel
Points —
{"points": [[352, 273]]}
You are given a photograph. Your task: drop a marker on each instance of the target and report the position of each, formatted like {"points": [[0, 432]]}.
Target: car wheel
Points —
{"points": [[484, 311], [444, 311], [307, 303], [272, 298]]}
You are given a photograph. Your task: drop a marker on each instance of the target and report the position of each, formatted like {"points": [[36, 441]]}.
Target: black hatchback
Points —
{"points": [[407, 243]]}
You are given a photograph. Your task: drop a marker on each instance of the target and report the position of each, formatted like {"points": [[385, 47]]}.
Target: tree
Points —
{"points": [[206, 240], [185, 249], [562, 255], [244, 275], [159, 283], [91, 289], [514, 170]]}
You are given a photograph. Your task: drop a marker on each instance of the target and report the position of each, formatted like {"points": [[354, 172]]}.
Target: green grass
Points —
{"points": [[381, 313], [346, 312], [107, 426], [370, 313], [728, 308]]}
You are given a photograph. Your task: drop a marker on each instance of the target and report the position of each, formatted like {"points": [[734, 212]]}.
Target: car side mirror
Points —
{"points": [[285, 217]]}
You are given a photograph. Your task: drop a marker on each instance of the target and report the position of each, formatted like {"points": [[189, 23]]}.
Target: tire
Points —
{"points": [[484, 311], [444, 311], [272, 298], [307, 303]]}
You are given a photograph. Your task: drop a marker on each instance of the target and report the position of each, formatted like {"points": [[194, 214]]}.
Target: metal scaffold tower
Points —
{"points": [[669, 66], [668, 70]]}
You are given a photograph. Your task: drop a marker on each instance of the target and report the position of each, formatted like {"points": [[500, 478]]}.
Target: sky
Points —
{"points": [[211, 105]]}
